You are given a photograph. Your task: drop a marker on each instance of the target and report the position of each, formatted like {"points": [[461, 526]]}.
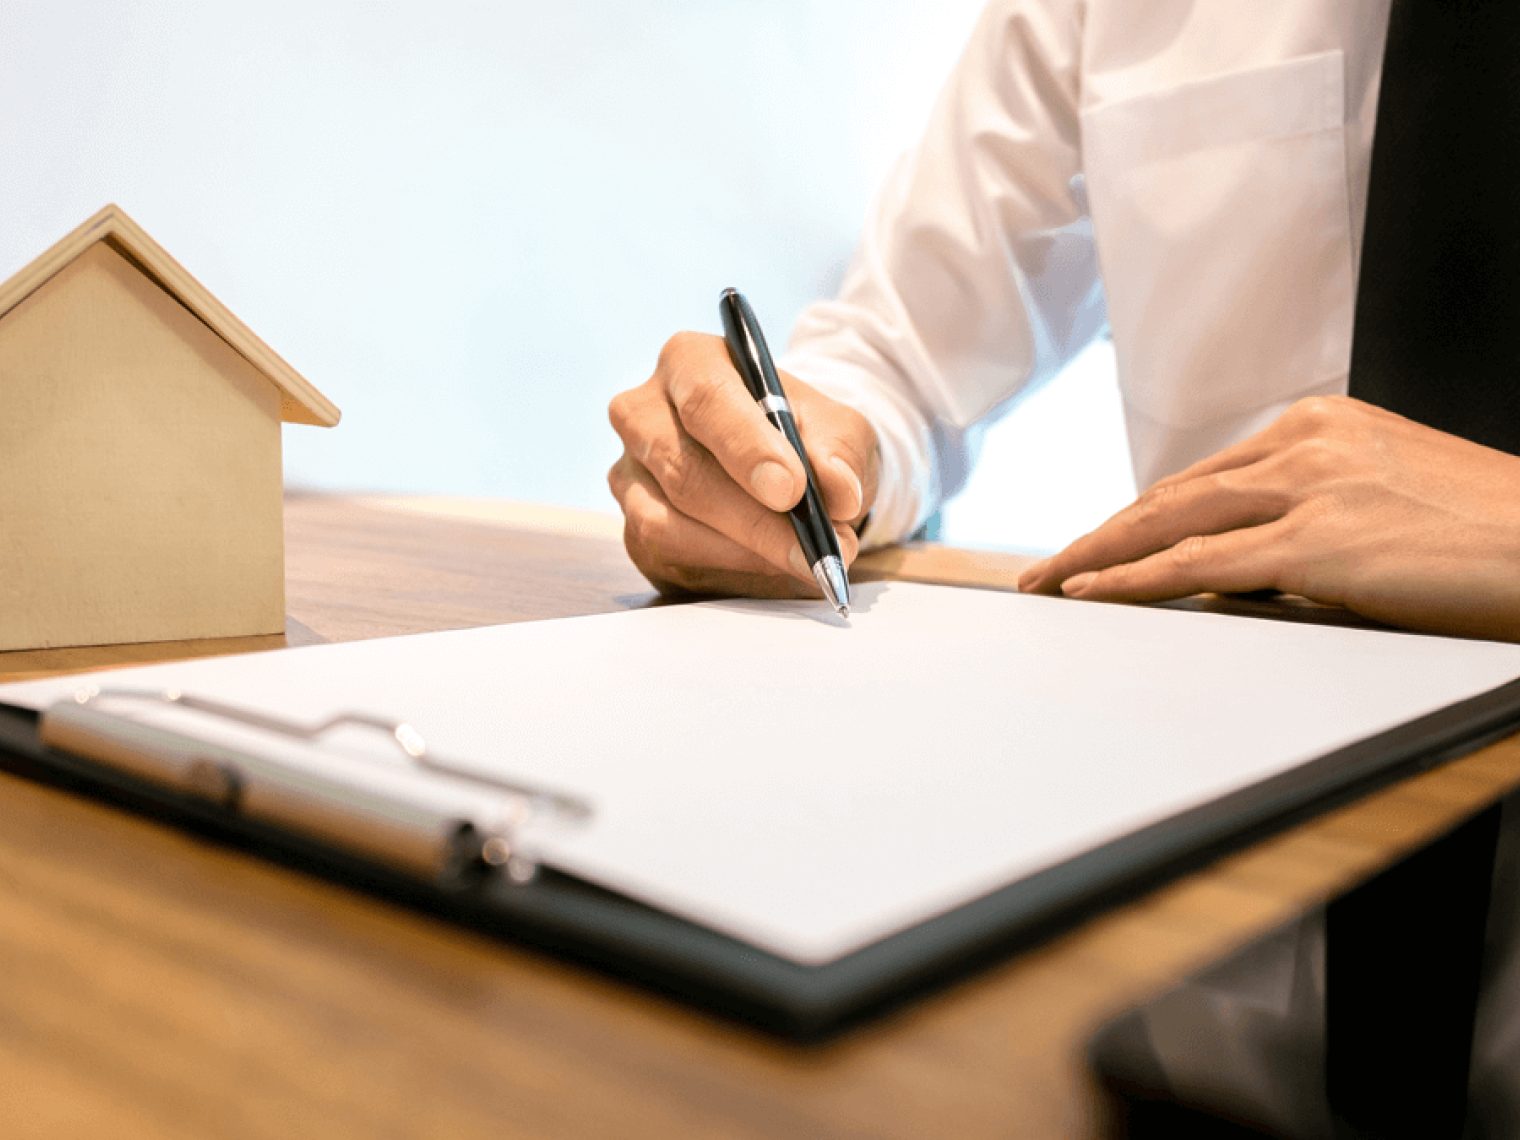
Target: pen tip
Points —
{"points": [[829, 572]]}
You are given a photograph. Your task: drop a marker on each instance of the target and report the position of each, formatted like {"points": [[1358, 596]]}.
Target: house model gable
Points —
{"points": [[141, 492], [300, 402]]}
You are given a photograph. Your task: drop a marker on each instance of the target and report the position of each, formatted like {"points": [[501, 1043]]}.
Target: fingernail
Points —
{"points": [[853, 480], [1074, 586], [799, 564], [772, 484], [1032, 575]]}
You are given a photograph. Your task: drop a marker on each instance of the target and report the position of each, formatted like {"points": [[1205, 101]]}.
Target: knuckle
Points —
{"points": [[676, 349], [647, 536], [628, 412], [675, 578], [618, 411], [651, 561], [697, 396], [1154, 503], [677, 470], [1312, 409], [1191, 552], [1321, 413], [617, 480], [639, 533], [1319, 456], [1222, 483]]}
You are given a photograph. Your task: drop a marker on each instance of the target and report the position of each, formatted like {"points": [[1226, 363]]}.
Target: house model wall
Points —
{"points": [[140, 463]]}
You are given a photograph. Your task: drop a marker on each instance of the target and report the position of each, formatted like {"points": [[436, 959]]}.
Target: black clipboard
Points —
{"points": [[583, 923]]}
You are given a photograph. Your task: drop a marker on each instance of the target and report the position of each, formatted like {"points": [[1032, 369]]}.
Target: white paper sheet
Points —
{"points": [[810, 785]]}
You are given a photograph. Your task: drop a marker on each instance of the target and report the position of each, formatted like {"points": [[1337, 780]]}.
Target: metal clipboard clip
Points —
{"points": [[420, 813]]}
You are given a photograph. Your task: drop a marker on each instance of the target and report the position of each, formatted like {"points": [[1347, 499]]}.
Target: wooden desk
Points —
{"points": [[151, 984]]}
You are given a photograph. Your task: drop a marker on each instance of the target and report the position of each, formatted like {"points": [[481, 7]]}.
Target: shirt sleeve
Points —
{"points": [[975, 275]]}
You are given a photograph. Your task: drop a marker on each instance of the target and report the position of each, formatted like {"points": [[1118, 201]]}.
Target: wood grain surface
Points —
{"points": [[154, 984]]}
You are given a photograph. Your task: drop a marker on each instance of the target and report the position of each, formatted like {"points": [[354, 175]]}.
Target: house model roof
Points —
{"points": [[299, 401]]}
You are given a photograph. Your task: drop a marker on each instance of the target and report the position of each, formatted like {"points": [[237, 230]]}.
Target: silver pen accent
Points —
{"points": [[829, 572]]}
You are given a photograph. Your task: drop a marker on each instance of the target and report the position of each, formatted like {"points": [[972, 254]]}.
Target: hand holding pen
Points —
{"points": [[705, 478], [810, 521]]}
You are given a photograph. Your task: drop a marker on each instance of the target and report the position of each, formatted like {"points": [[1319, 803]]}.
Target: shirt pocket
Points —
{"points": [[1221, 213]]}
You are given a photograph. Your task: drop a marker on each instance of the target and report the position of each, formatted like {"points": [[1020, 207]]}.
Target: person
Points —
{"points": [[1196, 178], [1317, 343]]}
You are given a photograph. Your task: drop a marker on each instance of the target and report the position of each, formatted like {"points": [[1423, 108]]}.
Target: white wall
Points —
{"points": [[471, 223]]}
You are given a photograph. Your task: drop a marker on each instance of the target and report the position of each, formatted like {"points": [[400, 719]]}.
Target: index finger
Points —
{"points": [[719, 413], [1161, 518]]}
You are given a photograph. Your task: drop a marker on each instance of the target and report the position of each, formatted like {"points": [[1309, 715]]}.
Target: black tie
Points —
{"points": [[1437, 335]]}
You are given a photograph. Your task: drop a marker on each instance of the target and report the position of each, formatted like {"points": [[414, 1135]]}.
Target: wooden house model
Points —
{"points": [[140, 467]]}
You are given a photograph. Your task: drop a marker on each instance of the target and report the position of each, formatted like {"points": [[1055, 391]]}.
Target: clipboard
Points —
{"points": [[476, 878]]}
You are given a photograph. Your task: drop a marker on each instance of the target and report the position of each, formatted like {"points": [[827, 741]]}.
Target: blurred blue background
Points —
{"points": [[470, 224]]}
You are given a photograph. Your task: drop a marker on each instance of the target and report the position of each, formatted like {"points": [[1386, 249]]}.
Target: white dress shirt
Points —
{"points": [[1200, 166]]}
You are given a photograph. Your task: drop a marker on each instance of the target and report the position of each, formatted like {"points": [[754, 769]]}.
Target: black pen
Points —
{"points": [[815, 533]]}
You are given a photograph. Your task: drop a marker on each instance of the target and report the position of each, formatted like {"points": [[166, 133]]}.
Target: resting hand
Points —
{"points": [[704, 476], [1338, 501]]}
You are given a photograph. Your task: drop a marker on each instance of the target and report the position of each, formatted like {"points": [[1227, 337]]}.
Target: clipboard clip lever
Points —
{"points": [[468, 822]]}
